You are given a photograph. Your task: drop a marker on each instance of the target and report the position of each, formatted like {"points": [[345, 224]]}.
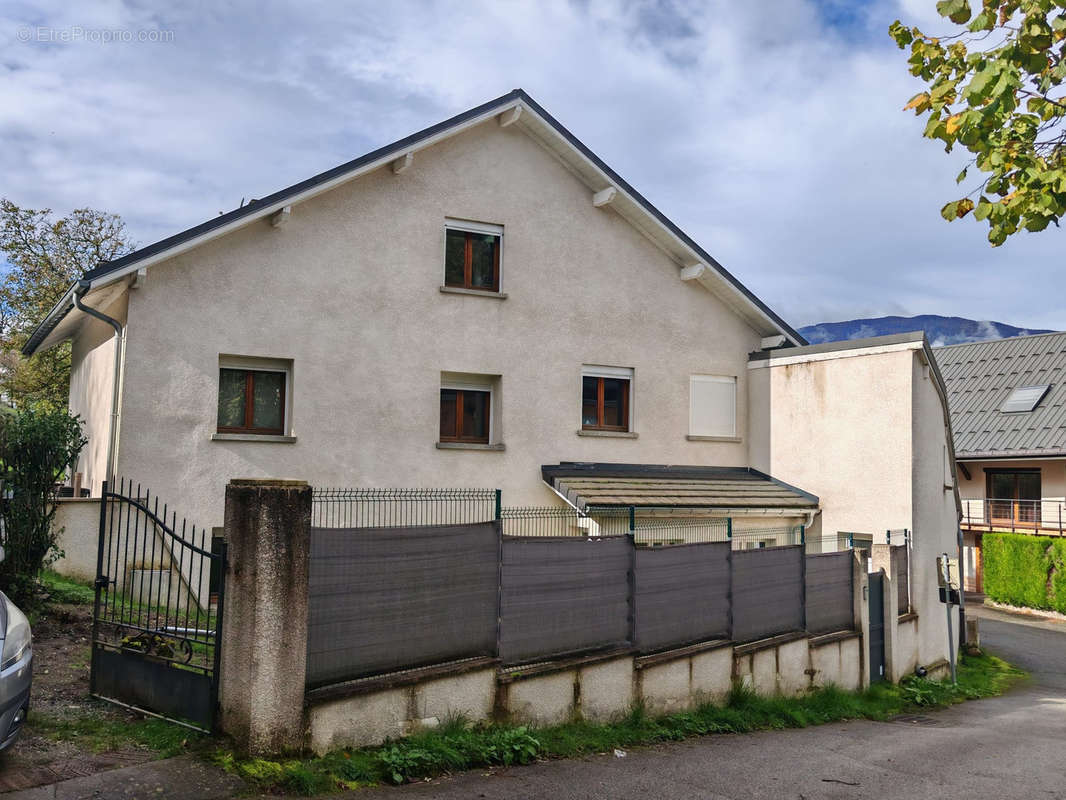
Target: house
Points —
{"points": [[486, 303], [1008, 414], [463, 307]]}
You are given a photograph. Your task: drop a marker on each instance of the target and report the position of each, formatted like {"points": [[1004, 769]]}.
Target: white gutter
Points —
{"points": [[112, 446]]}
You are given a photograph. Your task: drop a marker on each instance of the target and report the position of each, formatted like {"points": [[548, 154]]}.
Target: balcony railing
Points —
{"points": [[1015, 515]]}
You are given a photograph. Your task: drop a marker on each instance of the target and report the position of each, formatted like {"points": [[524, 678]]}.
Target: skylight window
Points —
{"points": [[1024, 398]]}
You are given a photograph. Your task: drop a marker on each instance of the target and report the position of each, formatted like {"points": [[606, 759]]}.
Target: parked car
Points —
{"points": [[16, 669]]}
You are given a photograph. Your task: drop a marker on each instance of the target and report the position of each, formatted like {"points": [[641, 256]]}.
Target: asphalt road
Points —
{"points": [[1006, 747]]}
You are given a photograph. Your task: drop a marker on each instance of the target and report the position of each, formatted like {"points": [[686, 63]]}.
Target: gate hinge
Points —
{"points": [[101, 582]]}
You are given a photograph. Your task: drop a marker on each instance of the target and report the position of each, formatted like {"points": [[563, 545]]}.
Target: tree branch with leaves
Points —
{"points": [[45, 256], [995, 88]]}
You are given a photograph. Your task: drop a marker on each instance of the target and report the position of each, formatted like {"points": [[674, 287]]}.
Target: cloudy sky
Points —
{"points": [[770, 131]]}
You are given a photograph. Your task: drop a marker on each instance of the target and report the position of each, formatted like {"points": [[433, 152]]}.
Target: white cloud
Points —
{"points": [[771, 132]]}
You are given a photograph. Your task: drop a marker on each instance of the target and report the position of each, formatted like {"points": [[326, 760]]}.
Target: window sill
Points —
{"points": [[474, 292], [608, 434], [694, 438], [251, 437], [498, 448]]}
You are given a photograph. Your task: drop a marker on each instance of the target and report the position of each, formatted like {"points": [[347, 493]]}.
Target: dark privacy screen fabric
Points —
{"points": [[383, 599], [563, 595], [681, 595], [388, 599], [767, 592], [829, 598]]}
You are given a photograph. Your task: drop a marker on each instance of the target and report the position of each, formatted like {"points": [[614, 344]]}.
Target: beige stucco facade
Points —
{"points": [[92, 369], [347, 293], [348, 290], [864, 427], [818, 433]]}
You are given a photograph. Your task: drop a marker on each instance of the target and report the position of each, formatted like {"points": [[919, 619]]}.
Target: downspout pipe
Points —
{"points": [[79, 292]]}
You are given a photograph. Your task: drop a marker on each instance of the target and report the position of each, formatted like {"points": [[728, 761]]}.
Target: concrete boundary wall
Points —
{"points": [[267, 709], [77, 521], [599, 688], [606, 686]]}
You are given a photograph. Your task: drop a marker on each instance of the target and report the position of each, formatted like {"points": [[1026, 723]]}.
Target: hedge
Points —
{"points": [[1025, 570]]}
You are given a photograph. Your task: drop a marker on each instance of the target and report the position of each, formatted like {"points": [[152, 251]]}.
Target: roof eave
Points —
{"points": [[1005, 455], [49, 323]]}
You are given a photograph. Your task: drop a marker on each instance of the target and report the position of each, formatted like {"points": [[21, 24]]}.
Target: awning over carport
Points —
{"points": [[590, 485]]}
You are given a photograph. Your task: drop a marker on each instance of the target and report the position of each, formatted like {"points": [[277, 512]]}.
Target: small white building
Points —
{"points": [[864, 425]]}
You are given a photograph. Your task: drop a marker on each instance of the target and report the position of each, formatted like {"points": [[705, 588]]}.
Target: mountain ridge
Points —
{"points": [[939, 330]]}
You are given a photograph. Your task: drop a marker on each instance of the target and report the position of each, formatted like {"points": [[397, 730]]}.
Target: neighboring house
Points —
{"points": [[487, 304], [1008, 413]]}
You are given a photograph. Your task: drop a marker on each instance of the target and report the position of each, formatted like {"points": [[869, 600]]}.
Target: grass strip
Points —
{"points": [[457, 745], [60, 589], [101, 734]]}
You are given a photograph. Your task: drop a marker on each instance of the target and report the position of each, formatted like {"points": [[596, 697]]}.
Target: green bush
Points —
{"points": [[1057, 586], [36, 448], [1016, 568]]}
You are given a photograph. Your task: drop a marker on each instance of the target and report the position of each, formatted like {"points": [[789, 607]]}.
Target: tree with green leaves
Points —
{"points": [[994, 86], [45, 256]]}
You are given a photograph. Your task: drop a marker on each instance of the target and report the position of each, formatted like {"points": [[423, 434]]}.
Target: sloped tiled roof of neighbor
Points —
{"points": [[980, 376]]}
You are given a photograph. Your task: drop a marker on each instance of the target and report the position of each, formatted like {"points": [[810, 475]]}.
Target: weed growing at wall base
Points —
{"points": [[457, 745]]}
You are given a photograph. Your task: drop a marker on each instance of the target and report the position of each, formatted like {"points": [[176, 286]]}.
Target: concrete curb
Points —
{"points": [[181, 778], [1023, 611]]}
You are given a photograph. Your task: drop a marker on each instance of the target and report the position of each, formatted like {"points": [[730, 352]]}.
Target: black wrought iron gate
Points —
{"points": [[157, 618]]}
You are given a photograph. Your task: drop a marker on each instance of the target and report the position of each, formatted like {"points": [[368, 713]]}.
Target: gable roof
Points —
{"points": [[980, 376], [528, 116]]}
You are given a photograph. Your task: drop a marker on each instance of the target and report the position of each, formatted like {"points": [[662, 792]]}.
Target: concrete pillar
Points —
{"points": [[881, 558], [860, 583], [264, 627], [891, 606]]}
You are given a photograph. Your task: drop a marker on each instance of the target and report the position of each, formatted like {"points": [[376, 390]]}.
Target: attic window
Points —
{"points": [[472, 256], [1024, 398]]}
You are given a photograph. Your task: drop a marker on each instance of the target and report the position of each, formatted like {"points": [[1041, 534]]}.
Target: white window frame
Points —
{"points": [[471, 382], [709, 378], [603, 371], [469, 226], [257, 364]]}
